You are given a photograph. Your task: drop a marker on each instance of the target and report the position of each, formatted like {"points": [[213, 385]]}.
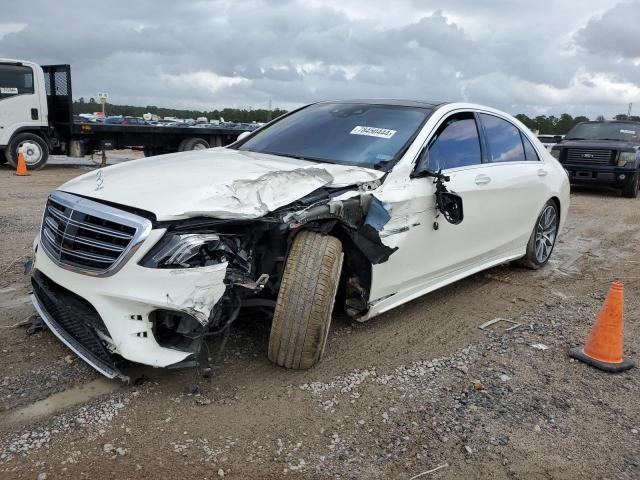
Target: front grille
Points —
{"points": [[74, 315], [87, 235], [593, 156]]}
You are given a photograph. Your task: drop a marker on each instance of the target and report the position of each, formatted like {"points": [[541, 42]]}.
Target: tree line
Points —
{"points": [[229, 114], [553, 125], [544, 124]]}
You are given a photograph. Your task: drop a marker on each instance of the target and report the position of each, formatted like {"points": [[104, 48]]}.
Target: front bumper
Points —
{"points": [[124, 302], [602, 175]]}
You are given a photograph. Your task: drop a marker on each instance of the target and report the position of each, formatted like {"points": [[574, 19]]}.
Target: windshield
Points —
{"points": [[373, 136], [605, 131]]}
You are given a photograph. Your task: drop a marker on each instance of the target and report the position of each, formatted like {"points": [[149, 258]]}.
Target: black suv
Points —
{"points": [[603, 152]]}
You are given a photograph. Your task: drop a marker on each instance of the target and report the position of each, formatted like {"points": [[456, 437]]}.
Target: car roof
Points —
{"points": [[393, 102]]}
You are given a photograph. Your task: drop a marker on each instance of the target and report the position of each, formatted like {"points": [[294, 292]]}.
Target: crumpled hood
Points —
{"points": [[218, 182]]}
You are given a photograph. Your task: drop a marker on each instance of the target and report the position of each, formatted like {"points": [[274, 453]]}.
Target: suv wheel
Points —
{"points": [[630, 190], [305, 301]]}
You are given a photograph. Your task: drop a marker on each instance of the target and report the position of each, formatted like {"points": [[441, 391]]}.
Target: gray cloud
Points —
{"points": [[576, 56]]}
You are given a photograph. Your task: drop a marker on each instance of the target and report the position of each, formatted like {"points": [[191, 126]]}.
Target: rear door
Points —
{"points": [[512, 183]]}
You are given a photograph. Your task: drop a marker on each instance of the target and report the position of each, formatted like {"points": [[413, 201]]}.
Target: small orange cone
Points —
{"points": [[603, 349], [21, 167]]}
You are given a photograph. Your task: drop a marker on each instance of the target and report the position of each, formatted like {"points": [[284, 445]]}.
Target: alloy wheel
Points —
{"points": [[546, 231]]}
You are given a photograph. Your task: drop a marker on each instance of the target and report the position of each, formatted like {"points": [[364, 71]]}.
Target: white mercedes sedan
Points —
{"points": [[358, 206]]}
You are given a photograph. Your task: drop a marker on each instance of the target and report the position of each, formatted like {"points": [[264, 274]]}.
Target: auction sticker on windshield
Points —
{"points": [[9, 90], [373, 132], [630, 132]]}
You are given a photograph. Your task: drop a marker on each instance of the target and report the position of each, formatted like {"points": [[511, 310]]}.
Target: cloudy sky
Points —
{"points": [[578, 56]]}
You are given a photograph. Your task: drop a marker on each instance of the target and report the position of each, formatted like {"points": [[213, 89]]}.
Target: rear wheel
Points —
{"points": [[543, 237], [153, 151], [305, 301], [630, 190], [35, 149]]}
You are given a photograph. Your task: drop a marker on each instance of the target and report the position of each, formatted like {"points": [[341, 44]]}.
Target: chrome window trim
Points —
{"points": [[142, 225]]}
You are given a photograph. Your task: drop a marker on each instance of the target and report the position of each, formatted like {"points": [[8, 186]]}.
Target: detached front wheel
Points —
{"points": [[305, 301]]}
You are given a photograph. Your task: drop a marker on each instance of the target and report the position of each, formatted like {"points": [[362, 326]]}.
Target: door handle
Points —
{"points": [[482, 179], [542, 172]]}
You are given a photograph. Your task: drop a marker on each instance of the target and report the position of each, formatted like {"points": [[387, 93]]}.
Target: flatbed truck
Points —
{"points": [[36, 116]]}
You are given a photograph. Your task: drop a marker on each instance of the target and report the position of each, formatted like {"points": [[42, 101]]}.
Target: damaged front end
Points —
{"points": [[254, 253]]}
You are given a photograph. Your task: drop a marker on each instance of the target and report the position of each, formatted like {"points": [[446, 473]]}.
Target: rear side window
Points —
{"points": [[529, 151], [15, 80], [455, 144], [504, 143]]}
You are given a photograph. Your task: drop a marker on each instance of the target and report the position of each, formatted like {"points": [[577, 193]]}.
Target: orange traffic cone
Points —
{"points": [[21, 167], [603, 349]]}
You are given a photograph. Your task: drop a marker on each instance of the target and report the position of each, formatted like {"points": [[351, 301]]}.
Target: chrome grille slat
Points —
{"points": [[87, 256], [587, 155], [89, 237], [93, 228], [98, 244]]}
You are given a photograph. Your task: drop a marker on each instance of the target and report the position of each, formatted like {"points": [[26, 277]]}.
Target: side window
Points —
{"points": [[455, 144], [504, 143], [15, 80], [529, 151]]}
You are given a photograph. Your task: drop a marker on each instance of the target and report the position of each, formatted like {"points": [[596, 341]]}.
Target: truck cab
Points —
{"points": [[23, 112], [604, 153]]}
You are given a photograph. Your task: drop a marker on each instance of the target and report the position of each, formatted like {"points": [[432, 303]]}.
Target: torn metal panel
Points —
{"points": [[378, 215]]}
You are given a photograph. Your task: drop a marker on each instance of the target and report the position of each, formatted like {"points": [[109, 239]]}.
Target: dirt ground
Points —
{"points": [[417, 388]]}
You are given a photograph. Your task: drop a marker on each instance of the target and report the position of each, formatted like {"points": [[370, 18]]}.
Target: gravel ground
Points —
{"points": [[419, 388]]}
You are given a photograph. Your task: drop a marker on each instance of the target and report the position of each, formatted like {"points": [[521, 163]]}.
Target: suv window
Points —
{"points": [[504, 143], [455, 144], [15, 80]]}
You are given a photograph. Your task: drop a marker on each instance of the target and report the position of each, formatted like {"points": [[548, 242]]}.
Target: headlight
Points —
{"points": [[555, 153], [626, 158], [186, 251]]}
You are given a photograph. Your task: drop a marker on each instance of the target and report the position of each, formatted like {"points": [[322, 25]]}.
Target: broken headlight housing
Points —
{"points": [[186, 250], [555, 153]]}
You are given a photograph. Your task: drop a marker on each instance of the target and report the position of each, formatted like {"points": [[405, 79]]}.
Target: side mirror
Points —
{"points": [[450, 205], [243, 135]]}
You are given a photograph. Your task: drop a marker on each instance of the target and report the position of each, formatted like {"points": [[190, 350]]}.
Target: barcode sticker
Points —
{"points": [[9, 90], [373, 132]]}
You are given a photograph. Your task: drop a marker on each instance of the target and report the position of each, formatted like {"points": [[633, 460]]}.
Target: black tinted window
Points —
{"points": [[456, 144], [504, 143], [529, 151], [367, 135], [15, 80]]}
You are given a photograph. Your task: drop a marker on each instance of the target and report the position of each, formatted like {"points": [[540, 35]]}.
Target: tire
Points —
{"points": [[305, 302], [193, 143], [630, 190], [152, 152], [36, 151], [531, 259]]}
